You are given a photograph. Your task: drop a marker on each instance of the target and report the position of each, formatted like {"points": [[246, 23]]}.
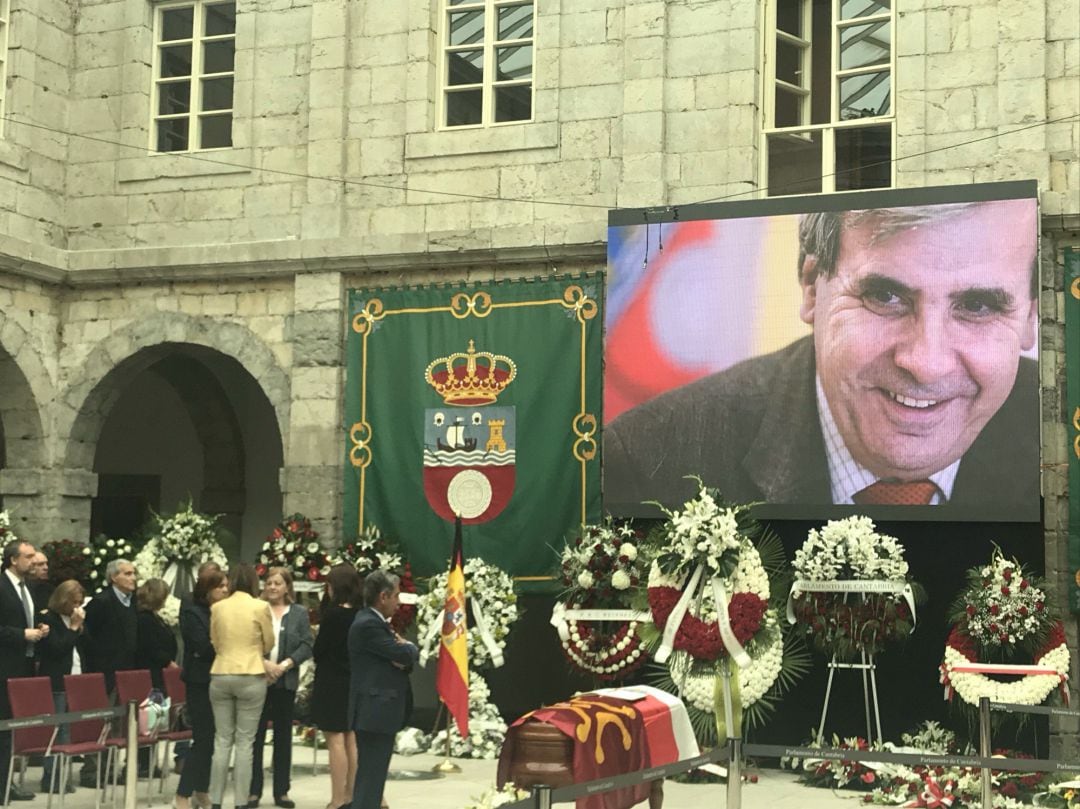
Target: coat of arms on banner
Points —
{"points": [[469, 442]]}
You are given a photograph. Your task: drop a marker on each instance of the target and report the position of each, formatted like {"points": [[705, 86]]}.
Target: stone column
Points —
{"points": [[49, 504], [311, 481]]}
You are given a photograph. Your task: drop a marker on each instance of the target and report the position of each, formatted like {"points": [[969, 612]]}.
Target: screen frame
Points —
{"points": [[842, 201]]}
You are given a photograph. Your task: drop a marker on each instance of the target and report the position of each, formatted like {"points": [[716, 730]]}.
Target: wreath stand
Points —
{"points": [[868, 668]]}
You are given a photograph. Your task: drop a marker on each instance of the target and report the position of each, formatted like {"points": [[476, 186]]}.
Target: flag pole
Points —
{"points": [[446, 766]]}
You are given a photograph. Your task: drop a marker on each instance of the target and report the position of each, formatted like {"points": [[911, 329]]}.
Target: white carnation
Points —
{"points": [[585, 579], [620, 580], [628, 550]]}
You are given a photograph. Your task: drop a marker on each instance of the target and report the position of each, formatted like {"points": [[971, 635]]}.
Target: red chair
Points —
{"points": [[135, 686], [176, 691], [32, 696], [86, 692]]}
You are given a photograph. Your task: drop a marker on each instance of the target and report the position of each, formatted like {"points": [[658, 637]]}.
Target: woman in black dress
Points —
{"points": [[343, 591], [155, 646]]}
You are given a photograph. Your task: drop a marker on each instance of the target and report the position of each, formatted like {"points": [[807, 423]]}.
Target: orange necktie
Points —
{"points": [[884, 493]]}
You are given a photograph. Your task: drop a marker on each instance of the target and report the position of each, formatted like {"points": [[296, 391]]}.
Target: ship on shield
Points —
{"points": [[469, 443]]}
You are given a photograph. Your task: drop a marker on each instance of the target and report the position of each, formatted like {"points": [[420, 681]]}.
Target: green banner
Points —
{"points": [[1072, 404], [481, 400]]}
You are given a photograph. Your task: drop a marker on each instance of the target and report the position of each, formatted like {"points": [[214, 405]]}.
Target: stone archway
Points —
{"points": [[215, 383], [22, 439]]}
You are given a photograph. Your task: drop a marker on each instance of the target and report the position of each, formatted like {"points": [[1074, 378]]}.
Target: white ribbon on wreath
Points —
{"points": [[861, 586], [483, 628], [561, 616], [691, 596]]}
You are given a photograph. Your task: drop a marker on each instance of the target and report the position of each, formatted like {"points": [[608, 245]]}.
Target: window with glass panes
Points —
{"points": [[5, 10], [193, 76], [487, 62], [829, 123]]}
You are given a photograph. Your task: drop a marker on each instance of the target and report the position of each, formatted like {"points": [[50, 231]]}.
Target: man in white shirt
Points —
{"points": [[19, 631]]}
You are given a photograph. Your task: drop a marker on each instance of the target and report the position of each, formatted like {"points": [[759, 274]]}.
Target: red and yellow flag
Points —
{"points": [[452, 675]]}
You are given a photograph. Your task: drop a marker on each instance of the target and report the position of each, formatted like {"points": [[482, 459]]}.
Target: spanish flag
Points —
{"points": [[452, 675]]}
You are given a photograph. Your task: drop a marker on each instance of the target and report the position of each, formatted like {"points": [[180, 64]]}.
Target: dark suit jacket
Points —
{"points": [[155, 645], [12, 630], [294, 641], [13, 659], [752, 431], [54, 653], [111, 635], [378, 690], [195, 632]]}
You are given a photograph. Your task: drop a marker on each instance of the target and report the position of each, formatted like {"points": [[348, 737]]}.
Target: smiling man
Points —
{"points": [[912, 390]]}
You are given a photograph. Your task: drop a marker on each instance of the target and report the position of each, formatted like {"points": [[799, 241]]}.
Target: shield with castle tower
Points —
{"points": [[469, 448]]}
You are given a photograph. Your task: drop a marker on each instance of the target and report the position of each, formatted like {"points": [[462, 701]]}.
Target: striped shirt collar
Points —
{"points": [[847, 477]]}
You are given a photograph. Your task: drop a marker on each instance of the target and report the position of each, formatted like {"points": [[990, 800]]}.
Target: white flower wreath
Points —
{"points": [[696, 679], [1031, 689], [487, 730], [484, 583], [698, 685]]}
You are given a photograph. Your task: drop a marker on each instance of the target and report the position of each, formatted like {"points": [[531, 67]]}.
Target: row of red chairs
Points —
{"points": [[33, 696]]}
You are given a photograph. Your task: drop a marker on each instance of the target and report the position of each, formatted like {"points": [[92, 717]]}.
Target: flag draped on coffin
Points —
{"points": [[480, 401]]}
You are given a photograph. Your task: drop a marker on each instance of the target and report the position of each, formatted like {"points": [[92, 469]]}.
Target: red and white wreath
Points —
{"points": [[709, 597], [601, 569], [1003, 627]]}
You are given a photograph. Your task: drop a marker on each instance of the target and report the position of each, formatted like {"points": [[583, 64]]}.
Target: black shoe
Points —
{"points": [[20, 794], [285, 802]]}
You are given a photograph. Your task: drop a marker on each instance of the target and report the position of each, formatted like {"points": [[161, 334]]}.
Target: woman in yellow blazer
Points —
{"points": [[241, 633]]}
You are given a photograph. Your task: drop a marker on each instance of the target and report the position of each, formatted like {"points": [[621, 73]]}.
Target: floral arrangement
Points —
{"points": [[708, 571], [103, 550], [412, 741], [1003, 615], [484, 583], [294, 544], [6, 534], [888, 784], [487, 731], [372, 551], [170, 611], [69, 560], [494, 798], [185, 539], [598, 569], [1065, 795], [853, 619]]}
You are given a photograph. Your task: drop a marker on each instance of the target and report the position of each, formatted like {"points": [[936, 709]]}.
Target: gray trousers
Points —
{"points": [[237, 702]]}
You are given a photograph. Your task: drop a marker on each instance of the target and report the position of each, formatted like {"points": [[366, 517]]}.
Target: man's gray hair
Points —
{"points": [[819, 233], [113, 567], [377, 583]]}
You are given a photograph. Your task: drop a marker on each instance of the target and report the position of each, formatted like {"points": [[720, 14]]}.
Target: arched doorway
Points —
{"points": [[178, 421], [21, 448]]}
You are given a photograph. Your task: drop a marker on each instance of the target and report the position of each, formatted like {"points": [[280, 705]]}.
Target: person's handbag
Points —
{"points": [[154, 714]]}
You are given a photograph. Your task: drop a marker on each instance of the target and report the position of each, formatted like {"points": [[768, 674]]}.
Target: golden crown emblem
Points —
{"points": [[470, 378]]}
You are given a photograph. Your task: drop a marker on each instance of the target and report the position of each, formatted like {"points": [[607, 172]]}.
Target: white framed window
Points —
{"points": [[194, 62], [486, 62], [829, 122], [5, 20]]}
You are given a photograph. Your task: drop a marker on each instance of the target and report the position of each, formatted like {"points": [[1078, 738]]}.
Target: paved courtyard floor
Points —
{"points": [[774, 789]]}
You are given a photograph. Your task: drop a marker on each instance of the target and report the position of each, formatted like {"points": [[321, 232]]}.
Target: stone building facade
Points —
{"points": [[177, 320]]}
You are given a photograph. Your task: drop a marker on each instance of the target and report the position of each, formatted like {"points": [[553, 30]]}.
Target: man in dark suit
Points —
{"points": [[19, 631], [40, 586], [911, 390], [111, 624], [379, 661]]}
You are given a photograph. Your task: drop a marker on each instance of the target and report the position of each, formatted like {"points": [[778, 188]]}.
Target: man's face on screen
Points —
{"points": [[918, 334]]}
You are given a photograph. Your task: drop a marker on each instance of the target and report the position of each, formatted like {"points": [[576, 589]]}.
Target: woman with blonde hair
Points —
{"points": [[292, 646], [241, 632]]}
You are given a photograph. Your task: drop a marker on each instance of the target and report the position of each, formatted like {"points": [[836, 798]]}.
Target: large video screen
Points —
{"points": [[870, 352]]}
